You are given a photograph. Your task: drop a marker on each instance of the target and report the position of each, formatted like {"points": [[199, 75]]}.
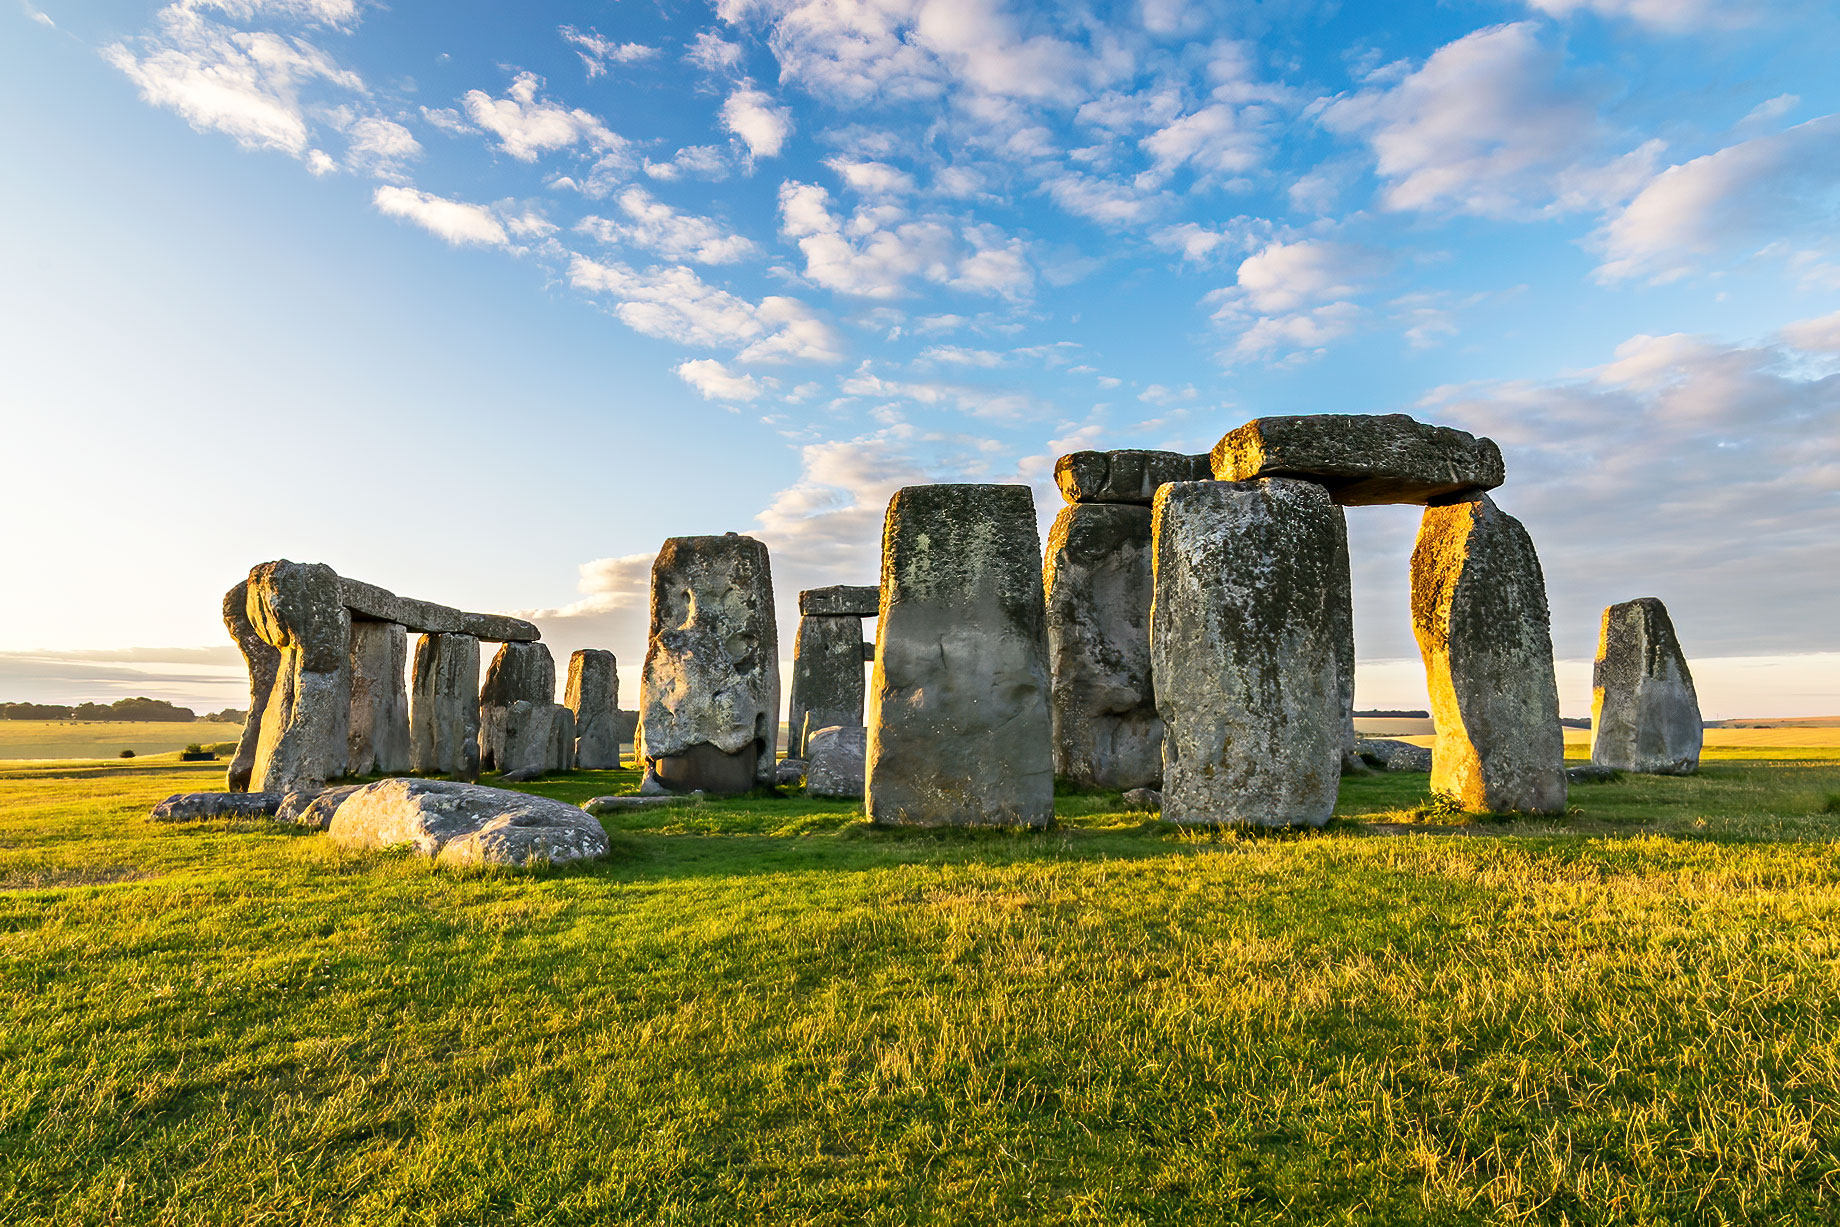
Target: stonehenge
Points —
{"points": [[261, 659], [521, 727], [827, 661], [593, 694], [959, 731], [1363, 459], [465, 824], [296, 609], [1644, 712], [838, 761], [444, 710], [709, 690], [378, 732]]}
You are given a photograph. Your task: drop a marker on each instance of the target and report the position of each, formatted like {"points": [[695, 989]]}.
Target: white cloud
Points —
{"points": [[1674, 16], [527, 127], [1296, 334], [658, 227], [1217, 141], [677, 305], [340, 14], [1284, 276], [871, 178], [1754, 191], [692, 161], [449, 121], [1002, 404], [958, 355], [597, 52], [717, 382], [712, 53], [1816, 336], [379, 146], [876, 251], [761, 124], [1108, 201], [459, 223]]}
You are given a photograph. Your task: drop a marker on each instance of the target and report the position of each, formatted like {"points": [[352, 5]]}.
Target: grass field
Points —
{"points": [[41, 739], [762, 1010]]}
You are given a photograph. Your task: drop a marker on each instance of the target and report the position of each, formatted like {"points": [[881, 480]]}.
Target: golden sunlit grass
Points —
{"points": [[763, 1010], [44, 739]]}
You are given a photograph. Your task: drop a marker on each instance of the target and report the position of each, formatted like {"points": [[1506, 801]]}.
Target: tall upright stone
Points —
{"points": [[827, 678], [296, 608], [709, 690], [959, 730], [1340, 602], [1644, 711], [519, 672], [444, 706], [1479, 611], [1098, 580], [261, 659], [593, 694], [1245, 652], [378, 738]]}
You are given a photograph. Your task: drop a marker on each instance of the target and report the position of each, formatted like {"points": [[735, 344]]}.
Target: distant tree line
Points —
{"points": [[141, 708], [1393, 715]]}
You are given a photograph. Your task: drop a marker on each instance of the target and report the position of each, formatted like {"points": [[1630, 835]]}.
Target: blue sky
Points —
{"points": [[481, 302]]}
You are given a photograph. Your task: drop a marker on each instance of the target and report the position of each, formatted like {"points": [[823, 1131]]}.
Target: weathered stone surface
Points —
{"points": [[790, 772], [377, 741], [840, 601], [1098, 580], [837, 765], [1244, 649], [198, 806], [1362, 458], [1390, 755], [868, 652], [262, 659], [368, 602], [1479, 611], [444, 706], [466, 824], [313, 807], [1644, 711], [1143, 800], [593, 694], [709, 692], [827, 677], [1126, 476], [1340, 601], [519, 672], [295, 608], [617, 804], [529, 739], [959, 731], [626, 727]]}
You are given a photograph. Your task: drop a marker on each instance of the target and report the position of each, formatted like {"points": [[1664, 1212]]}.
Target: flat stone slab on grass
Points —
{"points": [[1364, 459], [466, 824], [615, 804], [199, 806]]}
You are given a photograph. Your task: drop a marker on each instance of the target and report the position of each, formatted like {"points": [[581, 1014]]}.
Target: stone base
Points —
{"points": [[704, 767]]}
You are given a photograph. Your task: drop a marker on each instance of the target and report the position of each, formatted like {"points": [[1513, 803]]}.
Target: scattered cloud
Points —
{"points": [[690, 162], [879, 250], [528, 127], [712, 53], [656, 226], [759, 122], [717, 382], [677, 305], [456, 221], [596, 52]]}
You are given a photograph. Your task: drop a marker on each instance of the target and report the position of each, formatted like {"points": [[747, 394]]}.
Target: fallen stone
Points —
{"points": [[313, 808], [519, 673], [444, 707], [618, 804], [198, 806], [262, 659], [368, 602], [1644, 711], [593, 694], [709, 691], [1591, 773], [1479, 612], [827, 677], [1127, 476], [1363, 459], [377, 739], [959, 731], [295, 608], [1390, 755], [523, 775], [1244, 647], [1107, 733], [1143, 800], [466, 824], [837, 761], [840, 601], [790, 772]]}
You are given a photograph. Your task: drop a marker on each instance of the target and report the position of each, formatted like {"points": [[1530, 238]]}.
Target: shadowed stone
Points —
{"points": [[1097, 574], [1644, 712], [837, 765], [262, 659], [1479, 611], [959, 731], [1391, 755], [1142, 800], [530, 739], [466, 824], [827, 677], [1340, 600], [840, 601], [377, 741], [198, 806], [519, 672], [296, 608], [1362, 458], [444, 706], [593, 694], [1244, 648], [709, 691], [368, 602], [310, 807], [1126, 476]]}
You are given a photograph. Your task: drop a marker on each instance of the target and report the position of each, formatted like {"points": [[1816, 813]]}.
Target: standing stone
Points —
{"points": [[532, 739], [520, 672], [709, 691], [1479, 611], [1097, 574], [593, 694], [1363, 459], [378, 739], [295, 607], [827, 678], [444, 711], [959, 731], [836, 766], [1644, 712], [1244, 648], [1340, 600], [262, 660]]}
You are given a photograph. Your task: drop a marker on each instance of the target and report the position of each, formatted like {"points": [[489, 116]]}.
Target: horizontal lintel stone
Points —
{"points": [[371, 603]]}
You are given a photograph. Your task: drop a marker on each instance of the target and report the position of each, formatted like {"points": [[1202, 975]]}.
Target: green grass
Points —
{"points": [[763, 1010], [43, 739]]}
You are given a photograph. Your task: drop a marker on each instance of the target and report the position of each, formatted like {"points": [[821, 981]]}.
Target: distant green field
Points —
{"points": [[766, 1011], [105, 738]]}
